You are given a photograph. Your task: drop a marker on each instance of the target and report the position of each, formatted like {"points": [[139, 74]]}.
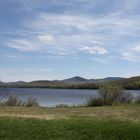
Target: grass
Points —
{"points": [[73, 129], [121, 112], [98, 123]]}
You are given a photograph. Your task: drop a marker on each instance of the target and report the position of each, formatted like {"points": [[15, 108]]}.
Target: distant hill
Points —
{"points": [[107, 79], [35, 84], [15, 83], [77, 82], [45, 83], [73, 80], [130, 83]]}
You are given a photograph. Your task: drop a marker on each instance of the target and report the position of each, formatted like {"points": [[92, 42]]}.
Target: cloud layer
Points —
{"points": [[90, 31]]}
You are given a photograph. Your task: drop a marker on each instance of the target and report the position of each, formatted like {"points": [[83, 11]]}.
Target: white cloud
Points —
{"points": [[132, 53], [57, 23], [22, 45], [33, 44], [94, 50], [61, 53], [46, 38], [130, 56], [76, 30], [136, 48], [65, 33], [65, 23]]}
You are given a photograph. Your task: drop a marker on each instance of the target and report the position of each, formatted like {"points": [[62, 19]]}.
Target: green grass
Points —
{"points": [[72, 129], [120, 122]]}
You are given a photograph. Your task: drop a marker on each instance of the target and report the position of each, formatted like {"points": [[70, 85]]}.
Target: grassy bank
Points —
{"points": [[97, 123]]}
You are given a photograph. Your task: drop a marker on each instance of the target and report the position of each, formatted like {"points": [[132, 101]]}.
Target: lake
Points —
{"points": [[52, 97]]}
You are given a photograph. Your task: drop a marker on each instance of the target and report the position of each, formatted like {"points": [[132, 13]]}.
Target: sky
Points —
{"points": [[58, 39]]}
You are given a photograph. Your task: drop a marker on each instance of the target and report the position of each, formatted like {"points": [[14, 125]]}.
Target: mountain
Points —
{"points": [[79, 80], [76, 79]]}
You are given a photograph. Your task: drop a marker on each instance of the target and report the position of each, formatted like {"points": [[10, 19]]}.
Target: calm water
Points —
{"points": [[53, 97]]}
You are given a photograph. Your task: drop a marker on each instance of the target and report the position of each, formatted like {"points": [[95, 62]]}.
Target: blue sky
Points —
{"points": [[56, 39]]}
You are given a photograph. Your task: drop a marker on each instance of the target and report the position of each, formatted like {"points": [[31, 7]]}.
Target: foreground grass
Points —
{"points": [[72, 129], [97, 123]]}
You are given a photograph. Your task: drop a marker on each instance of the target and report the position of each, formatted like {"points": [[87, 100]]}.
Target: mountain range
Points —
{"points": [[76, 82], [73, 80], [78, 79]]}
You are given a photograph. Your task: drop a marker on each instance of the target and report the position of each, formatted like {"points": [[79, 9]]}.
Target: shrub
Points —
{"points": [[94, 102], [114, 94], [110, 94], [31, 102], [13, 101]]}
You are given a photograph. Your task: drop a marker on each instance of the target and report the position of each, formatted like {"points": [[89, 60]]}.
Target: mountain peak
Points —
{"points": [[79, 78], [75, 80]]}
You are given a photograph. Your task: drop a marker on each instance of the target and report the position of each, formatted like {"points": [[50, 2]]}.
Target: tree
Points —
{"points": [[113, 94], [110, 94]]}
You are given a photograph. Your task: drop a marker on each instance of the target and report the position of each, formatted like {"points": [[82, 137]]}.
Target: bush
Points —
{"points": [[114, 94], [110, 94], [94, 102], [13, 101], [31, 102]]}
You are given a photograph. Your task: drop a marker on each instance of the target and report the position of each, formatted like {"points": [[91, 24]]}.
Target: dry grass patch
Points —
{"points": [[122, 112]]}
